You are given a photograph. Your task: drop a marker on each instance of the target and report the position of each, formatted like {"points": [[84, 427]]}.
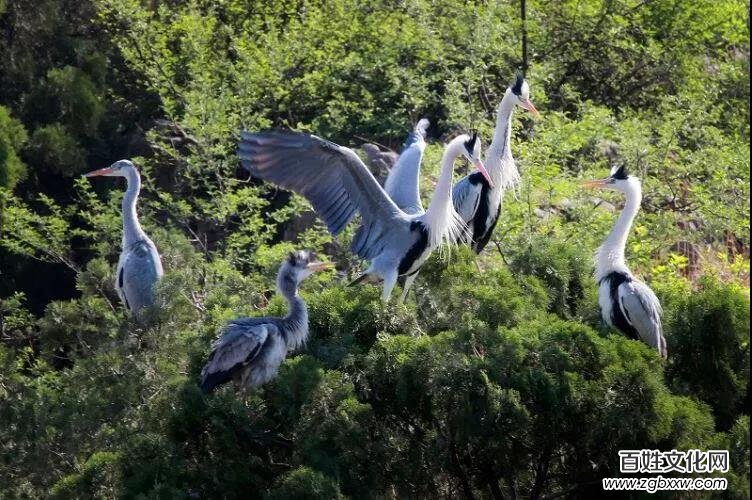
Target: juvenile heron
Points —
{"points": [[337, 184], [477, 200], [251, 350], [626, 303], [139, 266]]}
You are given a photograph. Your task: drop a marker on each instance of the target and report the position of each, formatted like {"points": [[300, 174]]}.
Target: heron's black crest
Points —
{"points": [[519, 79], [621, 173], [470, 145], [301, 258]]}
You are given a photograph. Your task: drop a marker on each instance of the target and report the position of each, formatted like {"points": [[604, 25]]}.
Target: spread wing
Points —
{"points": [[403, 182], [466, 197], [332, 178], [643, 311], [139, 269], [241, 343]]}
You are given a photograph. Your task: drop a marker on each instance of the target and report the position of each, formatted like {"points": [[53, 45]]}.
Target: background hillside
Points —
{"points": [[491, 384]]}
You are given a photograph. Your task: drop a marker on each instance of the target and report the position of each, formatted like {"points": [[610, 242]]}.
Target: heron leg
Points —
{"points": [[390, 280], [406, 287]]}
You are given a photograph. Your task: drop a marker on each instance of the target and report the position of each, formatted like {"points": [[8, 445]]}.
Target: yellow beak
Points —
{"points": [[101, 171], [528, 105], [594, 184], [320, 266]]}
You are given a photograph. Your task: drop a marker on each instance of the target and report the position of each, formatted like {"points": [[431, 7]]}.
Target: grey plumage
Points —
{"points": [[476, 200], [337, 184], [139, 266], [251, 350], [643, 311], [626, 303], [380, 162], [403, 182]]}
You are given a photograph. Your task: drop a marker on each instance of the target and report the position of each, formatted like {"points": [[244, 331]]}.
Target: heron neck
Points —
{"points": [[131, 227], [499, 161], [296, 322], [441, 219], [610, 255]]}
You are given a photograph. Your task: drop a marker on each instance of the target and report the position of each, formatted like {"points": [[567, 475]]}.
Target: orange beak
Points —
{"points": [[594, 184], [101, 171], [528, 105], [320, 266], [482, 169]]}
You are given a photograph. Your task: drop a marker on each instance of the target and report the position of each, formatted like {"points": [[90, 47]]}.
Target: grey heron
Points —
{"points": [[626, 303], [251, 350], [403, 182], [337, 184], [139, 266], [477, 200]]}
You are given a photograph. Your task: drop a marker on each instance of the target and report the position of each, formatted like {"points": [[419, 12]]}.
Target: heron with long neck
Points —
{"points": [[478, 200], [139, 266], [251, 350], [626, 303], [403, 183], [337, 184]]}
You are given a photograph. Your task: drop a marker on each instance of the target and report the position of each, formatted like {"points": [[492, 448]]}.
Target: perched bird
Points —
{"points": [[380, 162], [251, 350], [477, 200], [139, 266], [403, 184], [337, 184], [626, 303]]}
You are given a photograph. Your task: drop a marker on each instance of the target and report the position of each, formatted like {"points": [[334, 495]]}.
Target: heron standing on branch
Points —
{"points": [[477, 200], [139, 266], [337, 184], [626, 303], [251, 350]]}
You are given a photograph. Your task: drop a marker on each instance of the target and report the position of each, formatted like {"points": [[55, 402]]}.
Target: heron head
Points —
{"points": [[121, 168], [302, 263], [618, 180], [521, 92], [471, 150]]}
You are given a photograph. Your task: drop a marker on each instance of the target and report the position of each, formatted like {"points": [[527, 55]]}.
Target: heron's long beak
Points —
{"points": [[528, 105], [320, 266], [101, 171], [595, 184], [482, 169]]}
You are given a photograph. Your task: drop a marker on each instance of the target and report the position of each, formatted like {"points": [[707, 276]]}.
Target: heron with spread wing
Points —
{"points": [[337, 184], [139, 266], [627, 303]]}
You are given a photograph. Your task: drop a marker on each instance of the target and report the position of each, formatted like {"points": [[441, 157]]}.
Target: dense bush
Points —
{"points": [[497, 378]]}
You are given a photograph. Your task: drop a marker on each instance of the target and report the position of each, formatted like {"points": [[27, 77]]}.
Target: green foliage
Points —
{"points": [[564, 271], [305, 484], [53, 147], [496, 378], [12, 138], [709, 342]]}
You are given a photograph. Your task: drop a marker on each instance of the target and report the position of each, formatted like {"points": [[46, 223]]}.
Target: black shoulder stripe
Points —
{"points": [[416, 250], [618, 313], [120, 277]]}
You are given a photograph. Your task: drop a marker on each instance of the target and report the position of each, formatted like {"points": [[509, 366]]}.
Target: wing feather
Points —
{"points": [[643, 311], [403, 182], [332, 178], [240, 344], [466, 197]]}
